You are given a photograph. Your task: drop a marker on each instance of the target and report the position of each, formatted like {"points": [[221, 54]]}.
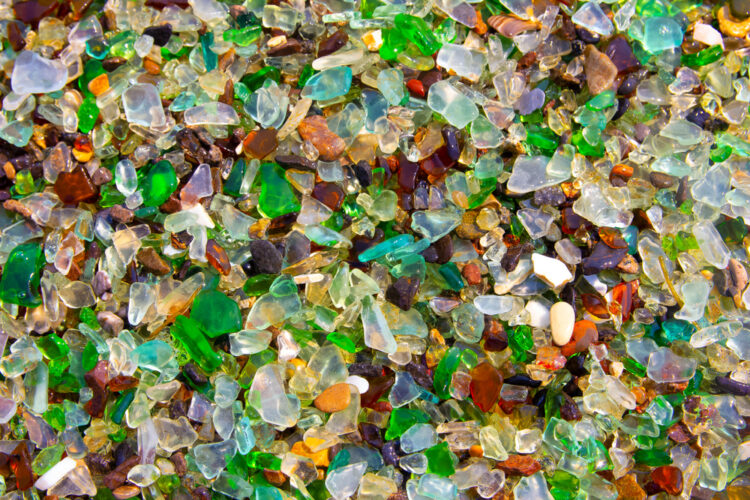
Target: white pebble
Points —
{"points": [[360, 383], [562, 319]]}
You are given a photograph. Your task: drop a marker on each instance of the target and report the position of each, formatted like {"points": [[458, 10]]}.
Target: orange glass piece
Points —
{"points": [[668, 478], [624, 295], [217, 257], [595, 305], [485, 385], [584, 334], [99, 85], [260, 143], [612, 238], [76, 186]]}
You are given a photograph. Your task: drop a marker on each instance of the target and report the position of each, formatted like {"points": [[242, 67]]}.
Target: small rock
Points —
{"points": [[562, 320], [401, 292], [519, 465], [628, 265], [111, 323], [333, 399], [160, 34], [315, 129], [152, 262], [101, 176], [740, 9], [662, 180], [629, 489], [600, 70], [121, 214], [603, 257], [266, 258], [472, 273], [552, 271]]}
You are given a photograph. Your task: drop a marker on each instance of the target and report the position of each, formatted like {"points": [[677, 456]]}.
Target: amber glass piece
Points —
{"points": [[15, 36], [79, 8], [333, 43], [485, 385], [260, 143], [668, 478], [76, 186], [595, 305], [620, 171], [329, 194], [378, 387], [122, 382], [32, 11], [437, 164], [151, 66], [495, 338], [20, 463], [612, 238], [99, 85], [217, 257], [571, 221], [97, 380], [624, 295]]}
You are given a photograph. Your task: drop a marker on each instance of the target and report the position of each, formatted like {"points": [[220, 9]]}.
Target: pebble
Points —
{"points": [[552, 271], [266, 258], [629, 489], [562, 320], [519, 465], [315, 129], [333, 399]]}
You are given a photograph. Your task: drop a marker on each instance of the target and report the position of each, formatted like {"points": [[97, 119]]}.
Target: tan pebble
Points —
{"points": [[600, 70], [124, 492], [562, 318], [333, 399]]}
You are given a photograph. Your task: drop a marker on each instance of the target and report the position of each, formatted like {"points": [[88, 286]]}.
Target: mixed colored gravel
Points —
{"points": [[383, 249]]}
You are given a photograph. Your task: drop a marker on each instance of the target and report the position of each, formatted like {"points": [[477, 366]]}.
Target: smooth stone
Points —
{"points": [[333, 399], [552, 271], [562, 319]]}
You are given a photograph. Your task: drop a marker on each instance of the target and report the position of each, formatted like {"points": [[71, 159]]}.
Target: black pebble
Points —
{"points": [[523, 380], [266, 259], [575, 366], [401, 293], [627, 86], [160, 34], [623, 105]]}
